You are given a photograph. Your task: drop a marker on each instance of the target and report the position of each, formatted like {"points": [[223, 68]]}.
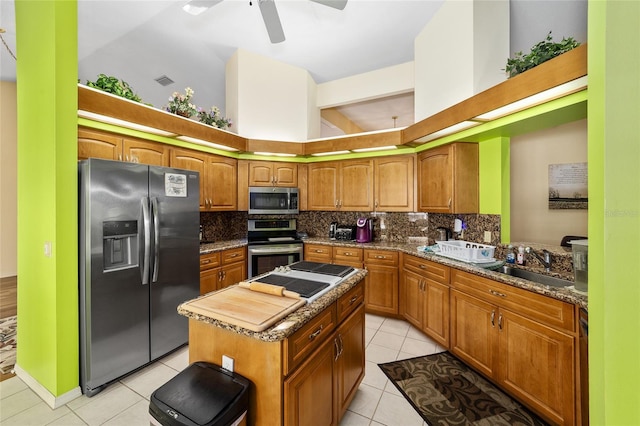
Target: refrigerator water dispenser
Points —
{"points": [[120, 244]]}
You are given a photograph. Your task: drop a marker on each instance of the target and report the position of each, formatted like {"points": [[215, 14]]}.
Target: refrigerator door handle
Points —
{"points": [[156, 238], [146, 229]]}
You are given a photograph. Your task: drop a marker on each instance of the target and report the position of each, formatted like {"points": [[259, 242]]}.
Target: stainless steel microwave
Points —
{"points": [[273, 200]]}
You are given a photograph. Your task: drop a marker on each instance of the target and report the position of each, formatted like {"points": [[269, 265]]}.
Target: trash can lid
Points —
{"points": [[206, 394]]}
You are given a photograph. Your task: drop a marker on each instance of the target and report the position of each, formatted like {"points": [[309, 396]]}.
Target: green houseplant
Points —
{"points": [[541, 52], [181, 105], [213, 118], [115, 86]]}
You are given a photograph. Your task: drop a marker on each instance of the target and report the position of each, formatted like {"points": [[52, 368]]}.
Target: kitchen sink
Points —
{"points": [[535, 277]]}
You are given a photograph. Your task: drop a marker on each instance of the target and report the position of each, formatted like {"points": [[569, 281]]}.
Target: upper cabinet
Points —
{"points": [[448, 179], [110, 146], [218, 178], [267, 173], [341, 185], [394, 183]]}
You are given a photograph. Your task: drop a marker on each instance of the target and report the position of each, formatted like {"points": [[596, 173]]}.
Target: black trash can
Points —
{"points": [[203, 394]]}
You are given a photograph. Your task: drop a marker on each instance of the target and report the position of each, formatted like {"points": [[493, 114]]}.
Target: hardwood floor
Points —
{"points": [[8, 304]]}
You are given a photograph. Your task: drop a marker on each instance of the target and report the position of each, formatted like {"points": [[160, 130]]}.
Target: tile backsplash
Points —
{"points": [[392, 227]]}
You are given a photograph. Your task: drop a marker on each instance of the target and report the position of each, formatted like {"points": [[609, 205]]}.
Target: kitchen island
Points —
{"points": [[305, 369]]}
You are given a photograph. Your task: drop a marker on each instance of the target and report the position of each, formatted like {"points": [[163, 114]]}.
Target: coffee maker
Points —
{"points": [[364, 231]]}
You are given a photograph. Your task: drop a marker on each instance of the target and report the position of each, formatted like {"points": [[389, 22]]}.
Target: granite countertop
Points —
{"points": [[212, 247], [289, 324]]}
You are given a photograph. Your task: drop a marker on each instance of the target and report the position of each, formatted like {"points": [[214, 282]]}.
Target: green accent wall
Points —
{"points": [[495, 184], [47, 195], [614, 212]]}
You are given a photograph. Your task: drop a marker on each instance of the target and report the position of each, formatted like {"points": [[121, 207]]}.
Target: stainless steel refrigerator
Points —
{"points": [[138, 260]]}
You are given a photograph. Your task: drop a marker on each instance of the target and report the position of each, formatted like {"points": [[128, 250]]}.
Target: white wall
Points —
{"points": [[370, 85], [8, 183], [531, 154], [272, 98], [459, 53]]}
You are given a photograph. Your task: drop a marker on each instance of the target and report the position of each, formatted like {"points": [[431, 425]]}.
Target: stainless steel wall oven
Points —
{"points": [[272, 243]]}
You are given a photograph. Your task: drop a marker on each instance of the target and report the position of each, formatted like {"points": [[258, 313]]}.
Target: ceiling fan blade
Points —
{"points": [[196, 7], [271, 20], [336, 4]]}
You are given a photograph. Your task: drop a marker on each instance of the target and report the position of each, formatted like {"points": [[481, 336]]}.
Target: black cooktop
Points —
{"points": [[322, 268], [305, 288]]}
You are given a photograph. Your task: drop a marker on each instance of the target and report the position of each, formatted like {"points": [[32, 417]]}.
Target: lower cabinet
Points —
{"points": [[319, 392], [523, 341], [381, 282], [222, 269], [424, 297]]}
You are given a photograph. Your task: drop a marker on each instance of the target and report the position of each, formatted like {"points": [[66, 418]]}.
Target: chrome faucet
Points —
{"points": [[545, 260]]}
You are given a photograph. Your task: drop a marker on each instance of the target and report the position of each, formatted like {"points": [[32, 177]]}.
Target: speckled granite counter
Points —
{"points": [[221, 245], [566, 294], [289, 324]]}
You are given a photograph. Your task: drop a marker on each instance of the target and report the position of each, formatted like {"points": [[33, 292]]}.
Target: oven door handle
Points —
{"points": [[273, 250]]}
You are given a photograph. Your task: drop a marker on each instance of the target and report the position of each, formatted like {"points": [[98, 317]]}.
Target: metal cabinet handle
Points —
{"points": [[381, 257], [353, 300], [315, 333], [337, 347], [119, 157], [233, 255], [500, 321], [497, 293], [449, 202], [423, 266], [204, 262]]}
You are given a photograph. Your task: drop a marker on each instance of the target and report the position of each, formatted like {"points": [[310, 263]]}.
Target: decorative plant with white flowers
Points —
{"points": [[213, 118], [180, 104]]}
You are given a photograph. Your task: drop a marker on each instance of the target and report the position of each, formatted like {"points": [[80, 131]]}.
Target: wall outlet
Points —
{"points": [[487, 236], [227, 363]]}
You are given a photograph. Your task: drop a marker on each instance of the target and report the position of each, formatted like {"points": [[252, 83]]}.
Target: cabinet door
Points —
{"points": [[285, 174], [350, 359], [356, 186], [474, 338], [309, 392], [144, 152], [435, 180], [537, 366], [222, 183], [381, 295], [192, 160], [436, 312], [232, 274], [394, 184], [93, 144], [209, 280], [260, 173], [411, 298], [323, 186], [348, 256]]}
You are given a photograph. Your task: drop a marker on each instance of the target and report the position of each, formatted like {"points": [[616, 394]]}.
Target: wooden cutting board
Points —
{"points": [[246, 308]]}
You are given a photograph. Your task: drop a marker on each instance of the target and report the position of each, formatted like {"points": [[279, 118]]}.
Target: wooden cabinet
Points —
{"points": [[448, 179], [318, 253], [394, 183], [266, 173], [110, 146], [381, 282], [222, 269], [218, 178], [424, 297], [341, 185], [524, 341], [348, 256], [320, 391]]}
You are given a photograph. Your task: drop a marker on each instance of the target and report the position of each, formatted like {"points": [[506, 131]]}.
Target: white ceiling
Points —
{"points": [[141, 40]]}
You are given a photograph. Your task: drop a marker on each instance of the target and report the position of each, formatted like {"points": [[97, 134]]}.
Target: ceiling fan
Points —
{"points": [[267, 9]]}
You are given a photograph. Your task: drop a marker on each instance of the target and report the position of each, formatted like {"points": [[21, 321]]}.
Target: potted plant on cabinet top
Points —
{"points": [[180, 104], [541, 52], [213, 118], [115, 86]]}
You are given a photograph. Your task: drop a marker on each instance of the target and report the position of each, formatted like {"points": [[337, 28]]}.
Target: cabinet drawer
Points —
{"points": [[547, 310], [349, 301], [233, 255], [317, 253], [381, 257], [427, 269], [304, 341], [347, 254], [209, 260]]}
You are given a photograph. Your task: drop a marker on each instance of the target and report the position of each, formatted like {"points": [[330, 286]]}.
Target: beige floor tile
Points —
{"points": [[374, 376], [69, 419], [352, 419], [107, 404], [388, 340], [395, 326], [380, 354], [419, 347], [365, 401], [137, 414], [179, 360], [39, 414], [18, 402], [10, 386], [147, 380], [395, 410], [373, 321]]}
